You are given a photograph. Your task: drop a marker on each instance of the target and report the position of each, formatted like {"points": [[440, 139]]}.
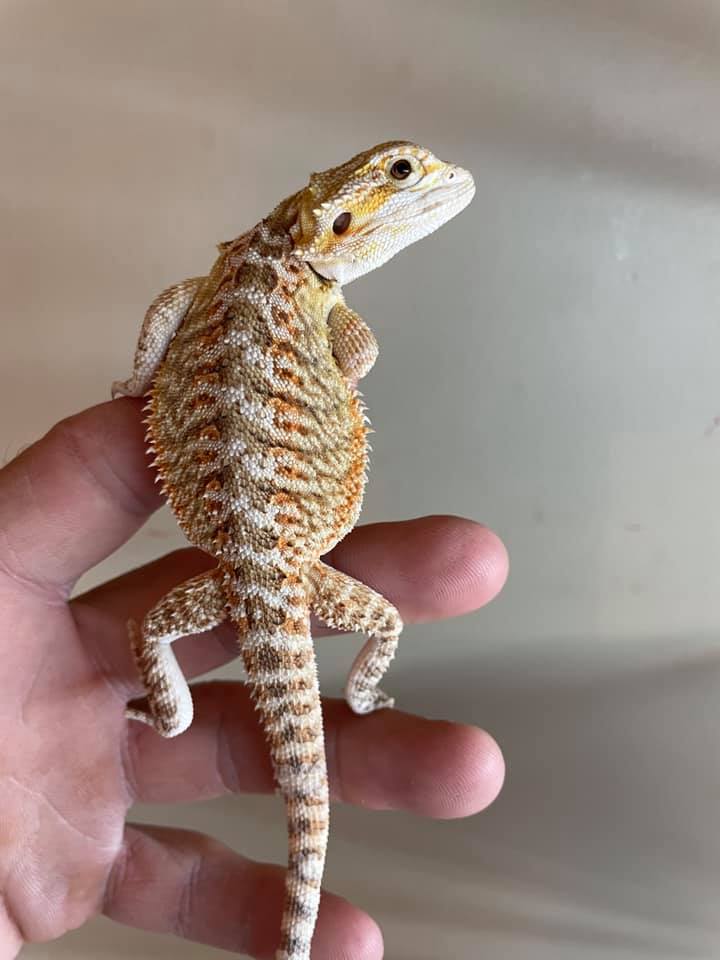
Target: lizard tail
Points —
{"points": [[280, 662]]}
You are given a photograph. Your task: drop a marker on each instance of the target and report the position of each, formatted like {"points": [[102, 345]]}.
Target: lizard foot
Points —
{"points": [[124, 388], [368, 699]]}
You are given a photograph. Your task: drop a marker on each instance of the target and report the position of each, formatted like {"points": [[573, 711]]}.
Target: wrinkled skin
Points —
{"points": [[70, 765]]}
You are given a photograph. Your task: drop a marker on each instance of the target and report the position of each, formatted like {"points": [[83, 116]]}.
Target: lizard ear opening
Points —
{"points": [[317, 225], [341, 223]]}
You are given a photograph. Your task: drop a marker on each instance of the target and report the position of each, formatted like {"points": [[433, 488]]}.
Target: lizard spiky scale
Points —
{"points": [[260, 443]]}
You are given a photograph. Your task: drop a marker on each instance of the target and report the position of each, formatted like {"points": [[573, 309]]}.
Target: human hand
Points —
{"points": [[71, 765]]}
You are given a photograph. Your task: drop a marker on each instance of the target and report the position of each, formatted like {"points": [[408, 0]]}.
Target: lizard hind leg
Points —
{"points": [[194, 606], [343, 602]]}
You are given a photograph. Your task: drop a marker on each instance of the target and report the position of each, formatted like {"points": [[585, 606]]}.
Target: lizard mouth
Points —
{"points": [[442, 203], [439, 205], [450, 197]]}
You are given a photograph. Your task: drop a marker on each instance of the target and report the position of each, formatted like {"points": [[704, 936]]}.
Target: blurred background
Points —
{"points": [[549, 365]]}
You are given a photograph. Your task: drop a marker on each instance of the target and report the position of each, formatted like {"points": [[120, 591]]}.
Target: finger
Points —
{"points": [[388, 760], [11, 940], [431, 567], [180, 882], [73, 497]]}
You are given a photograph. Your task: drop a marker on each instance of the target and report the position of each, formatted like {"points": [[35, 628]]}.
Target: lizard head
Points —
{"points": [[354, 217]]}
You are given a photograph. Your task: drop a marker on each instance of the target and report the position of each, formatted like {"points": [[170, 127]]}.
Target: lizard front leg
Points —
{"points": [[353, 343], [194, 606], [162, 319], [340, 601]]}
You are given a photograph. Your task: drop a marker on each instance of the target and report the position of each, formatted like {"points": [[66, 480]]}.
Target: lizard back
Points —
{"points": [[260, 442]]}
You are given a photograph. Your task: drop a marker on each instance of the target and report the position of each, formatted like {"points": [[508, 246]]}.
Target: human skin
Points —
{"points": [[71, 765]]}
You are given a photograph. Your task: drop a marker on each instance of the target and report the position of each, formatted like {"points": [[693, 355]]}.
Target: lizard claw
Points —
{"points": [[120, 388]]}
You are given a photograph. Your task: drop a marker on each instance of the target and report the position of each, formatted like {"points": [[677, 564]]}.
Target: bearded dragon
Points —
{"points": [[259, 435]]}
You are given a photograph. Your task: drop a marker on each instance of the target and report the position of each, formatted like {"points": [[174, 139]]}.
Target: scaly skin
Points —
{"points": [[260, 444]]}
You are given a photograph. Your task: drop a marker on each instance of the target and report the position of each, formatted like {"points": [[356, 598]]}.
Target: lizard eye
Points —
{"points": [[405, 171], [401, 169], [341, 222]]}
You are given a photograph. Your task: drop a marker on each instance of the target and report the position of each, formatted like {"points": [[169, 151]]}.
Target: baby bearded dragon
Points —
{"points": [[260, 443]]}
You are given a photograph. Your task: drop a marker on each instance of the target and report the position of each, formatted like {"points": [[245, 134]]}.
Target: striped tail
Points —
{"points": [[280, 662]]}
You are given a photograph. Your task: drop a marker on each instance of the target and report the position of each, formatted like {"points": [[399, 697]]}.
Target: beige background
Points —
{"points": [[549, 365]]}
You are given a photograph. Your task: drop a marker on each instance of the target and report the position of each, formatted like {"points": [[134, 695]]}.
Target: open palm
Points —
{"points": [[71, 765]]}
